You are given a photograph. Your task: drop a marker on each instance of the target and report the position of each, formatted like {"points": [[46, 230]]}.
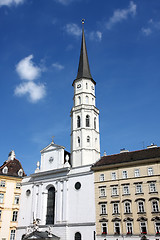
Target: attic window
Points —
{"points": [[5, 170], [20, 172]]}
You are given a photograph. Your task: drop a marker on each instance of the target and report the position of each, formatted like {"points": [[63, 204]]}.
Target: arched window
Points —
{"points": [[95, 123], [88, 140], [87, 99], [87, 121], [86, 85], [78, 121], [77, 236], [79, 100], [127, 207], [79, 141], [50, 206]]}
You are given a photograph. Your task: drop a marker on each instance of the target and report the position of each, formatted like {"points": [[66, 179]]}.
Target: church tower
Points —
{"points": [[85, 143]]}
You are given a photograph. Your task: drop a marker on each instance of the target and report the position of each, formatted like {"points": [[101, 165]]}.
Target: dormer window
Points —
{"points": [[20, 172], [5, 170]]}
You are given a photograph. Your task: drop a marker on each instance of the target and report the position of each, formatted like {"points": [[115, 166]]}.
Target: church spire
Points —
{"points": [[83, 69]]}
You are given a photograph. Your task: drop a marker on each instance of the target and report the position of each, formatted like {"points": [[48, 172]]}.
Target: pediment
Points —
{"points": [[40, 235], [51, 147]]}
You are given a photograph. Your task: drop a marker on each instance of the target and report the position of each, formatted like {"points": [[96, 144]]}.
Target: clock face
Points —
{"points": [[79, 85]]}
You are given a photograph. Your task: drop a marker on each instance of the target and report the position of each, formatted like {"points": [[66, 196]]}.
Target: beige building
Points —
{"points": [[11, 173], [127, 194]]}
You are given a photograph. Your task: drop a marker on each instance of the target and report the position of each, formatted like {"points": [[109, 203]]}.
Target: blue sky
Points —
{"points": [[39, 54]]}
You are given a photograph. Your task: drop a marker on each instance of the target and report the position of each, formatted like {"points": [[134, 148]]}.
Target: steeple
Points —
{"points": [[83, 68]]}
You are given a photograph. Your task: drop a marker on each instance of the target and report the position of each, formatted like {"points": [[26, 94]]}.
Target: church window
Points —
{"points": [[77, 236], [87, 121], [88, 140], [50, 206], [28, 192], [79, 141], [78, 121], [86, 85], [95, 123], [77, 185], [79, 100], [87, 99]]}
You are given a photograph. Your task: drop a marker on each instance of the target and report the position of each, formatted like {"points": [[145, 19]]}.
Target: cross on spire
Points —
{"points": [[52, 139]]}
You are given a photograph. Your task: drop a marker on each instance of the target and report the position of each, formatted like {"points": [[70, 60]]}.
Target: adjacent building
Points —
{"points": [[127, 195], [11, 173]]}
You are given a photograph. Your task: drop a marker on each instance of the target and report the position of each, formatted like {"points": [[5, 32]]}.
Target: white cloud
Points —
{"points": [[96, 35], [151, 27], [27, 70], [122, 14], [10, 2], [58, 66], [146, 31], [64, 2], [73, 29], [34, 91]]}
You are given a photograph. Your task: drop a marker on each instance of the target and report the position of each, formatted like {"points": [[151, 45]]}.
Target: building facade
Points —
{"points": [[57, 195], [11, 173], [127, 195]]}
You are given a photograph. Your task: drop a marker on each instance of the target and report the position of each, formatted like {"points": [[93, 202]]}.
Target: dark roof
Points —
{"points": [[40, 235], [128, 157], [13, 167], [83, 68]]}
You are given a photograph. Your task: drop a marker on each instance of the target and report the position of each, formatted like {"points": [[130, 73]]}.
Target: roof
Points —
{"points": [[13, 168], [128, 157], [83, 68], [40, 235]]}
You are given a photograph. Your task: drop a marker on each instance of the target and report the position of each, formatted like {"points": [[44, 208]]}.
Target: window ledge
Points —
{"points": [[155, 212], [153, 192], [141, 212], [139, 193]]}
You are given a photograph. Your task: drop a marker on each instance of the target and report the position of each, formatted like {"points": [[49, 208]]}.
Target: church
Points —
{"points": [[57, 201]]}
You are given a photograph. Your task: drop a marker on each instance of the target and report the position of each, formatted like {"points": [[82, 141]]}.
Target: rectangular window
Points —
{"points": [[138, 188], [0, 214], [3, 183], [18, 185], [152, 187], [104, 228], [150, 171], [16, 199], [140, 207], [155, 206], [113, 175], [124, 174], [1, 197], [143, 227], [115, 208], [102, 191], [101, 178], [15, 215], [136, 173], [117, 228], [126, 189], [13, 234], [157, 227], [103, 209], [129, 228], [114, 191]]}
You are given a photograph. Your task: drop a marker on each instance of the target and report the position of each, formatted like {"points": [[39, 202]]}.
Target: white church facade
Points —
{"points": [[59, 196]]}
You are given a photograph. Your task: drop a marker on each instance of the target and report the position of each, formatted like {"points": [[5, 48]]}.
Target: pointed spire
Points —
{"points": [[83, 69]]}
